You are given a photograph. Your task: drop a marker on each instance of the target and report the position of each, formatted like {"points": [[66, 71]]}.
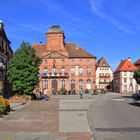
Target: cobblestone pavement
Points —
{"points": [[56, 119]]}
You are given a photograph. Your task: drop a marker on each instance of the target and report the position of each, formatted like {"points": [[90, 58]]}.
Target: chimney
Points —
{"points": [[129, 58], [1, 24]]}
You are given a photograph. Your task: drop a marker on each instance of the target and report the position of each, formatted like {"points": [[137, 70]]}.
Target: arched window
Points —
{"points": [[80, 84], [125, 88], [45, 85], [63, 83], [80, 71]]}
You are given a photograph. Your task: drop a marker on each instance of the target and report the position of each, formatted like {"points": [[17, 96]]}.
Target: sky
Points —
{"points": [[105, 28]]}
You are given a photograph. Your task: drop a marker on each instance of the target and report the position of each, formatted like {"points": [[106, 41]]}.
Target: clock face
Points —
{"points": [[53, 42]]}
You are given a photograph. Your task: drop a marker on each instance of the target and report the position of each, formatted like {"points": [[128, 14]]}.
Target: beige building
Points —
{"points": [[104, 74], [124, 82]]}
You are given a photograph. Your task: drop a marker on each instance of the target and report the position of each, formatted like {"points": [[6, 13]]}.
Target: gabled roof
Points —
{"points": [[74, 51], [126, 65], [40, 49], [102, 63]]}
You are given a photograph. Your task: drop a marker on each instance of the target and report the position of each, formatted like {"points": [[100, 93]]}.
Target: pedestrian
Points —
{"points": [[42, 93], [45, 95], [81, 93]]}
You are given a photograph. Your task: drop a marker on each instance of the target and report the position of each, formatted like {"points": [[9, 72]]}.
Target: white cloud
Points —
{"points": [[98, 5]]}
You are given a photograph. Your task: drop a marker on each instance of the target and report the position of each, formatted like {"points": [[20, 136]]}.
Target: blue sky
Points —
{"points": [[108, 28]]}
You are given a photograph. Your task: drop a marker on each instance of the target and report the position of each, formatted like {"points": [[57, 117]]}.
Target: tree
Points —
{"points": [[137, 76], [23, 71]]}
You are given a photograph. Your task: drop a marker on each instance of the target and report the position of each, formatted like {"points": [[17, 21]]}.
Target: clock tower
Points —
{"points": [[55, 39]]}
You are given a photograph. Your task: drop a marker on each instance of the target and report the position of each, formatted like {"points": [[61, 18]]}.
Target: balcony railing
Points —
{"points": [[104, 82], [54, 75], [105, 76]]}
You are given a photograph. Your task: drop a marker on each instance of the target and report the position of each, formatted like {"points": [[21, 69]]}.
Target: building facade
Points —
{"points": [[123, 78], [64, 65], [5, 57], [104, 74]]}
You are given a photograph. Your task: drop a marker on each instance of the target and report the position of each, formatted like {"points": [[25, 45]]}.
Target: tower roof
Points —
{"points": [[55, 29]]}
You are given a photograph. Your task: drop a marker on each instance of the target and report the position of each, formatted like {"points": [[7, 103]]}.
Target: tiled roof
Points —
{"points": [[102, 63], [40, 49], [126, 65], [74, 51]]}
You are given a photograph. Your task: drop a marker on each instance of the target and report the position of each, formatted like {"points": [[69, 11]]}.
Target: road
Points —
{"points": [[112, 117]]}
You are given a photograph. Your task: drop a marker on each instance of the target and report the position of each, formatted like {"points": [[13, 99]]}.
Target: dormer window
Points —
{"points": [[45, 60], [63, 61]]}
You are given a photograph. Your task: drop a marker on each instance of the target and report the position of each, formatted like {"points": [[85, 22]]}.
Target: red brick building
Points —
{"points": [[64, 65]]}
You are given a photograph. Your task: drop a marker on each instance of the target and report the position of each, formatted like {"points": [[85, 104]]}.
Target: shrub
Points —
{"points": [[2, 108], [86, 91], [4, 105], [63, 91], [103, 91]]}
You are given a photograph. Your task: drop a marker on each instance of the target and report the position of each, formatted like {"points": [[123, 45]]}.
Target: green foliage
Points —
{"points": [[23, 71], [63, 91], [2, 108], [137, 76]]}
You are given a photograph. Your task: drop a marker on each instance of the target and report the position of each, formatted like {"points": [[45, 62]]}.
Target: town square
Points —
{"points": [[69, 70]]}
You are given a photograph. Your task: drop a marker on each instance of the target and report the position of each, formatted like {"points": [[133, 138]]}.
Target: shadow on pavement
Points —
{"points": [[135, 104], [127, 96]]}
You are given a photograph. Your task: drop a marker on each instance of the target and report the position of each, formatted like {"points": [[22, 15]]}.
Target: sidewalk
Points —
{"points": [[38, 120]]}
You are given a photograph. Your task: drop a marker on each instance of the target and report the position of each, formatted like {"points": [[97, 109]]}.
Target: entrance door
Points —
{"points": [[54, 86], [72, 85]]}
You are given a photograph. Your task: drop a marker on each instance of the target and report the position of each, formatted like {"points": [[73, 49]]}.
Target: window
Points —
{"points": [[45, 60], [46, 70], [80, 84], [125, 73], [72, 81], [125, 80], [88, 81], [80, 60], [45, 85], [63, 83], [63, 70], [80, 71], [72, 71], [63, 61], [53, 70], [88, 84], [88, 70], [88, 60], [71, 60], [131, 73], [131, 80]]}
